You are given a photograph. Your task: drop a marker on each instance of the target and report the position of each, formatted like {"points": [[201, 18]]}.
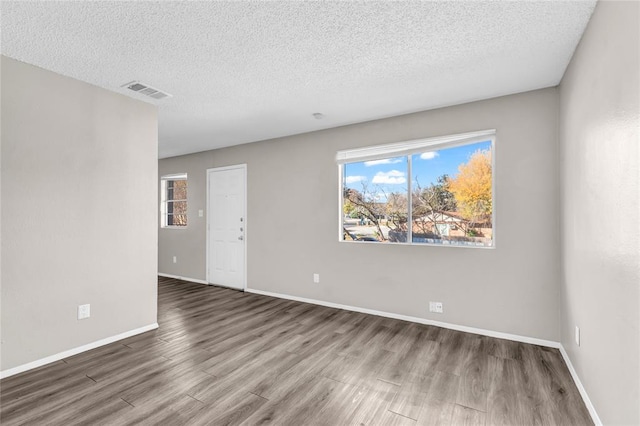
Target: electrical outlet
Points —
{"points": [[200, 213], [577, 335], [175, 259], [316, 278], [436, 307], [84, 311]]}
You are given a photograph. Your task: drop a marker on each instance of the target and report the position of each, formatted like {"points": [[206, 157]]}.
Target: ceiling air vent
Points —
{"points": [[145, 89]]}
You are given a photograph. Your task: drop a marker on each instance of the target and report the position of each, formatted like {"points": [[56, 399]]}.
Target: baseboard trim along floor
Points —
{"points": [[191, 280], [65, 354], [581, 389], [490, 333], [480, 331]]}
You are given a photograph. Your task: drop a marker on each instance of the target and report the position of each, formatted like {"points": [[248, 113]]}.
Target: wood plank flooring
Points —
{"points": [[222, 357]]}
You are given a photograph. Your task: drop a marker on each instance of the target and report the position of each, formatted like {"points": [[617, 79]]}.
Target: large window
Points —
{"points": [[174, 200], [431, 191]]}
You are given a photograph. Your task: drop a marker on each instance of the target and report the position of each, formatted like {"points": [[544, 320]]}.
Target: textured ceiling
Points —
{"points": [[247, 71]]}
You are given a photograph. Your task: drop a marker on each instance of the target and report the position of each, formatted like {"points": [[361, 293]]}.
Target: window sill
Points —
{"points": [[420, 244]]}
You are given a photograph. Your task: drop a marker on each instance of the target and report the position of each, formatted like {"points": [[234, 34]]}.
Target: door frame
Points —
{"points": [[222, 169]]}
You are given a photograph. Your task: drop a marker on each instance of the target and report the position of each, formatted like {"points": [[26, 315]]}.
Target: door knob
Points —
{"points": [[241, 238]]}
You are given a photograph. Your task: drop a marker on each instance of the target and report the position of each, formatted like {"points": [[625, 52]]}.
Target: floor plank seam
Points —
{"points": [[402, 415], [390, 382], [471, 408], [191, 396], [128, 402], [259, 396]]}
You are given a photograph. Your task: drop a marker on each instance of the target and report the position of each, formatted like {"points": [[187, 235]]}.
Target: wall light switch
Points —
{"points": [[84, 311], [577, 335], [316, 278], [175, 259], [200, 213]]}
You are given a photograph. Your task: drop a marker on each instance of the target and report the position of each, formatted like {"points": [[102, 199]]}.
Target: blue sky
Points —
{"points": [[390, 175]]}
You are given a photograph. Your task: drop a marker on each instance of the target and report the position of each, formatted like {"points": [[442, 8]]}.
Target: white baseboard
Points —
{"points": [[192, 280], [581, 389], [490, 333], [66, 354]]}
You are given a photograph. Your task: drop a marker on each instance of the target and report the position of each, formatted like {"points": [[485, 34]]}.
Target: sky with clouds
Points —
{"points": [[390, 174]]}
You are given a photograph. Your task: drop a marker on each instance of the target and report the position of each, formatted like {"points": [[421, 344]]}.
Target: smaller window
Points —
{"points": [[173, 206]]}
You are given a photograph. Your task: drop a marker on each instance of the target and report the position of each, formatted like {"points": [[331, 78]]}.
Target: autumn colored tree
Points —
{"points": [[472, 188]]}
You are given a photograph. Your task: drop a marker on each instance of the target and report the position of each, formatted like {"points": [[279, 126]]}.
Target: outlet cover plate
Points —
{"points": [[436, 307], [84, 311]]}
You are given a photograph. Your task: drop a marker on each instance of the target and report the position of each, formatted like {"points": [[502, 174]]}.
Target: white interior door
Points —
{"points": [[227, 225]]}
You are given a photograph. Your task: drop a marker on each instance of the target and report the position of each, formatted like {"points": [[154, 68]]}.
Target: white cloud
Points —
{"points": [[354, 179], [394, 177], [384, 161], [429, 155]]}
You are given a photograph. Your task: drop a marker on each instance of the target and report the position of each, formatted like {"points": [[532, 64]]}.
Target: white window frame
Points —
{"points": [[164, 200], [409, 148]]}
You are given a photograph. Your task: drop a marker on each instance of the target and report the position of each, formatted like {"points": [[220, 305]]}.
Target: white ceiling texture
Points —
{"points": [[247, 71]]}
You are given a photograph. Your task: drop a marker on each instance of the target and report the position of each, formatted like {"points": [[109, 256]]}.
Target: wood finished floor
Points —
{"points": [[224, 357]]}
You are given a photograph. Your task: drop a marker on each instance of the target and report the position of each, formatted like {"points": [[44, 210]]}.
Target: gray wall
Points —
{"points": [[600, 222], [79, 208], [292, 228]]}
